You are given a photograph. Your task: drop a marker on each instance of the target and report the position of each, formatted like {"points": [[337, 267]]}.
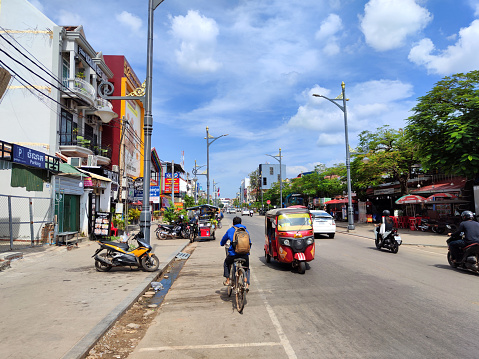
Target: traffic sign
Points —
{"points": [[268, 201]]}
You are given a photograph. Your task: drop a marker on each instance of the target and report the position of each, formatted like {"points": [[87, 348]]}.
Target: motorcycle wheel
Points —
{"points": [[150, 263], [185, 233], [301, 267], [449, 259], [440, 230], [377, 241], [101, 267], [160, 235], [394, 247]]}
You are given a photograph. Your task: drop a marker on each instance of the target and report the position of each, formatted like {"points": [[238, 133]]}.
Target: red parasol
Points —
{"points": [[410, 199], [440, 196]]}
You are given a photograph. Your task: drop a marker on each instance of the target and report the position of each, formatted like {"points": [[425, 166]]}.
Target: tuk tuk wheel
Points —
{"points": [[301, 267], [267, 256]]}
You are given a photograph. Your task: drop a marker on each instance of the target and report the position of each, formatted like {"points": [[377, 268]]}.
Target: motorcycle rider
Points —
{"points": [[229, 260], [386, 226], [470, 228]]}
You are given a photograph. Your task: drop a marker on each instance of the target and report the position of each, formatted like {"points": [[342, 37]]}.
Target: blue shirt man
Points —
{"points": [[229, 260]]}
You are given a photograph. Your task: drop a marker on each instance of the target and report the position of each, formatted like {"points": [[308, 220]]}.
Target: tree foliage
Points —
{"points": [[445, 125], [383, 156]]}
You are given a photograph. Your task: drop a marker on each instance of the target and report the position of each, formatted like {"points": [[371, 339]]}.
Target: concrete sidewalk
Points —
{"points": [[54, 304], [416, 238]]}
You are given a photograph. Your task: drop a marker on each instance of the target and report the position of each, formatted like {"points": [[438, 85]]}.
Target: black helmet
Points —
{"points": [[466, 215], [386, 213]]}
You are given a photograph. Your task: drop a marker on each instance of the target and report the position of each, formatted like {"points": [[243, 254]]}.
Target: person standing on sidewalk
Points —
{"points": [[232, 255], [470, 228]]}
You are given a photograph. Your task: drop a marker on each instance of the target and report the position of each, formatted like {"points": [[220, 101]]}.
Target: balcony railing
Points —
{"points": [[81, 87], [77, 139]]}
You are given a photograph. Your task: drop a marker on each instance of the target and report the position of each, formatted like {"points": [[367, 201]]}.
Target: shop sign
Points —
{"points": [[92, 64], [378, 192], [87, 182], [27, 156], [155, 194]]}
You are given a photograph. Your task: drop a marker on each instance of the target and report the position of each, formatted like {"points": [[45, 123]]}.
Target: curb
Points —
{"points": [[81, 349]]}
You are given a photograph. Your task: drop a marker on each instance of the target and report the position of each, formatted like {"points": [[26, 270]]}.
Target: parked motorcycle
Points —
{"points": [[178, 230], [193, 228], [389, 240], [469, 259], [119, 254]]}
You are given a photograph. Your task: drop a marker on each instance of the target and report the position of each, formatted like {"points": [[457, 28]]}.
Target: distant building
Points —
{"points": [[269, 174]]}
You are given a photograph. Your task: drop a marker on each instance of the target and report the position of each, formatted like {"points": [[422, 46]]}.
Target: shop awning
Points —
{"points": [[66, 169], [454, 185], [95, 176], [339, 201]]}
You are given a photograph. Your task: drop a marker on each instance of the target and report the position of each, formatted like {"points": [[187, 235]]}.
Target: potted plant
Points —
{"points": [[119, 223]]}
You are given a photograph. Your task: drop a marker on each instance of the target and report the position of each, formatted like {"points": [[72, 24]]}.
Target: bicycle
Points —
{"points": [[238, 281]]}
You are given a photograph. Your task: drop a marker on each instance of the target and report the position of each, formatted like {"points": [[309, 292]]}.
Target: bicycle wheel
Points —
{"points": [[240, 289]]}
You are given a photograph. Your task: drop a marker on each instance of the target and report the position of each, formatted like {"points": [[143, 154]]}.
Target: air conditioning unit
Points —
{"points": [[115, 168], [75, 161], [91, 160]]}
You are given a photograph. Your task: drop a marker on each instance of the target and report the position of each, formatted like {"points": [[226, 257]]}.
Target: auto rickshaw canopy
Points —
{"points": [[291, 219]]}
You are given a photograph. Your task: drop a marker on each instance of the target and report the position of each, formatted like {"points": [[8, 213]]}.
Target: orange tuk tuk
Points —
{"points": [[289, 237]]}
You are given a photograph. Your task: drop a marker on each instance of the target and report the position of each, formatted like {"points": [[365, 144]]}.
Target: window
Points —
{"points": [[65, 72], [67, 128], [271, 170], [265, 181]]}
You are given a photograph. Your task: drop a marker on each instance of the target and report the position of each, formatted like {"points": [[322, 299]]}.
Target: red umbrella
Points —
{"points": [[440, 196], [410, 199]]}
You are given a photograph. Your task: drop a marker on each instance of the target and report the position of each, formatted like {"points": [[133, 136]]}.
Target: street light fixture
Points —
{"points": [[195, 173], [208, 143], [278, 158], [348, 165]]}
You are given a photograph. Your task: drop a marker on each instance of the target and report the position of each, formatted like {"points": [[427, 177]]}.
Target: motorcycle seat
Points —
{"points": [[171, 226], [122, 245]]}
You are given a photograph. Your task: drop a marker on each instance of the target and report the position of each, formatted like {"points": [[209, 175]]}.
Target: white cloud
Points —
{"points": [[461, 57], [327, 32], [67, 18], [475, 6], [197, 35], [131, 21], [387, 23]]}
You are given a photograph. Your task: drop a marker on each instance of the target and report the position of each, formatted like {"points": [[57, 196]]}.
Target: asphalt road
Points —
{"points": [[353, 302]]}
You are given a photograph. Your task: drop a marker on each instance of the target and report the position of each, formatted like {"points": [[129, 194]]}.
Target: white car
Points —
{"points": [[245, 212], [323, 223]]}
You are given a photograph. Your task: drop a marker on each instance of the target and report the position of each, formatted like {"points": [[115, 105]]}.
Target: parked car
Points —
{"points": [[245, 212], [323, 223], [231, 210]]}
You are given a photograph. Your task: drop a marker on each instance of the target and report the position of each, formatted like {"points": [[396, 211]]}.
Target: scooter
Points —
{"points": [[389, 240], [118, 254], [469, 259], [177, 230]]}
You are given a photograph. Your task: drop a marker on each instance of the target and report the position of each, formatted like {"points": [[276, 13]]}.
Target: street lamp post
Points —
{"points": [[208, 143], [348, 166], [195, 173], [278, 158]]}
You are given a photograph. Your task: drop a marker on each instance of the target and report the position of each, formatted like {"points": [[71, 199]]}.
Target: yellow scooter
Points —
{"points": [[118, 254]]}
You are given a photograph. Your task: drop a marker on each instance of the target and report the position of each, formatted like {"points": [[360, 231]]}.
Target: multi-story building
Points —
{"points": [[269, 174], [52, 109]]}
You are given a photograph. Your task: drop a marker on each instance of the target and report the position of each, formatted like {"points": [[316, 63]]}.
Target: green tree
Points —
{"points": [[189, 201], [255, 185], [445, 125], [384, 155]]}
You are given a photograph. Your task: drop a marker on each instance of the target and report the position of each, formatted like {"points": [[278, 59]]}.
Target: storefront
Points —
{"points": [[98, 190]]}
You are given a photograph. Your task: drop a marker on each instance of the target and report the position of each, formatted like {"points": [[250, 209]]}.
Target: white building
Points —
{"points": [[52, 108]]}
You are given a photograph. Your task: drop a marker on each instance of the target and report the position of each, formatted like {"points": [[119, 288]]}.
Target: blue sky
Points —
{"points": [[249, 68]]}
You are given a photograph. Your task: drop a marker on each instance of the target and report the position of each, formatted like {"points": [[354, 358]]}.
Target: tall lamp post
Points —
{"points": [[209, 140], [195, 173], [278, 158], [348, 165]]}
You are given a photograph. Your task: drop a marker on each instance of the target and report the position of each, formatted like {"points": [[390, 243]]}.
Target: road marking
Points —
{"points": [[282, 336], [210, 346]]}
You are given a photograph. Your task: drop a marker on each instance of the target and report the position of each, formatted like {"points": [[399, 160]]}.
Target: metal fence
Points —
{"points": [[25, 222]]}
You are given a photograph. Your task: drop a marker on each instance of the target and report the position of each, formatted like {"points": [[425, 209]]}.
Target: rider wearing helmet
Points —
{"points": [[470, 228], [388, 224]]}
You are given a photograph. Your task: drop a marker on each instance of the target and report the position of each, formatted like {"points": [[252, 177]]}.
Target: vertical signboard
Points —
{"points": [[132, 138]]}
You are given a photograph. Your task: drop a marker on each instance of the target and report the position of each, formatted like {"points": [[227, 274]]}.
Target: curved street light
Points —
{"points": [[278, 158], [208, 143], [195, 173], [348, 165]]}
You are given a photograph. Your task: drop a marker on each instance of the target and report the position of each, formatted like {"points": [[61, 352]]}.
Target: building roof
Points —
{"points": [[453, 185]]}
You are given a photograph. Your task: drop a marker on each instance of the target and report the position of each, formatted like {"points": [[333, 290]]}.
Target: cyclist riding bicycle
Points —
{"points": [[232, 255]]}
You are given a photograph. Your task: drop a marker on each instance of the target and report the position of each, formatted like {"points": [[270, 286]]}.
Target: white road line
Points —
{"points": [[282, 336], [210, 346]]}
